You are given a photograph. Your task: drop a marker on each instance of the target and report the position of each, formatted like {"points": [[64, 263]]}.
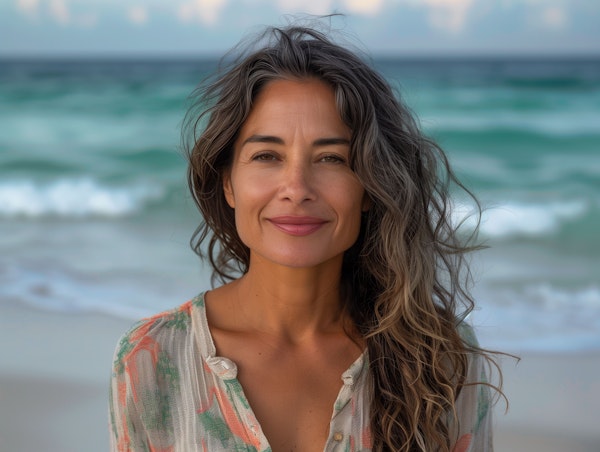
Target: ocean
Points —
{"points": [[95, 215]]}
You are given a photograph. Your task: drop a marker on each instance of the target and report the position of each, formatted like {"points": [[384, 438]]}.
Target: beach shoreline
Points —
{"points": [[55, 371], [553, 403], [54, 378]]}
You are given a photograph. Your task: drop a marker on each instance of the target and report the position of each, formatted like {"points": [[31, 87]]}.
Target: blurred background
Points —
{"points": [[95, 217]]}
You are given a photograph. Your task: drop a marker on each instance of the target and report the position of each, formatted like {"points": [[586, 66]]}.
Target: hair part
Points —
{"points": [[406, 278]]}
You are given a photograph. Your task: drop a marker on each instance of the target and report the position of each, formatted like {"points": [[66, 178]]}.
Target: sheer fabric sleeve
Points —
{"points": [[125, 426], [141, 387], [474, 403]]}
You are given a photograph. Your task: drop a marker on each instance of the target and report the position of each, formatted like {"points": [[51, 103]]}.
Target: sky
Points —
{"points": [[210, 27]]}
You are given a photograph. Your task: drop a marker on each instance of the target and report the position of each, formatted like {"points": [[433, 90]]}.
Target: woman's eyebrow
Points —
{"points": [[263, 139], [331, 141]]}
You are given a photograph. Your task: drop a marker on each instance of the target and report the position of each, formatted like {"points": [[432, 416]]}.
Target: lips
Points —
{"points": [[298, 226]]}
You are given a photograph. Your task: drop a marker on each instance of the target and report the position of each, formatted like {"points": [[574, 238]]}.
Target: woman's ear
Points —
{"points": [[228, 189]]}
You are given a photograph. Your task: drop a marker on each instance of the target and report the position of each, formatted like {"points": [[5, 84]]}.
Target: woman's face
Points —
{"points": [[297, 202]]}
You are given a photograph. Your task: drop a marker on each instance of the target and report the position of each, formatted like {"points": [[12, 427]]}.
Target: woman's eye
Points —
{"points": [[264, 157], [333, 158]]}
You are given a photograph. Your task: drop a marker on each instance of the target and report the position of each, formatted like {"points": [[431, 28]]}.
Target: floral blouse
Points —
{"points": [[170, 392]]}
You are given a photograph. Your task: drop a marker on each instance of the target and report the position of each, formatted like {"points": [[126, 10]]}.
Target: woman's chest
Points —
{"points": [[293, 404]]}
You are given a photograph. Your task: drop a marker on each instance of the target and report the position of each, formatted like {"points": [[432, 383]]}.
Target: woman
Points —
{"points": [[339, 322]]}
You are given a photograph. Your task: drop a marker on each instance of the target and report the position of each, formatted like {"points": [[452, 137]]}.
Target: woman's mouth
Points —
{"points": [[298, 226]]}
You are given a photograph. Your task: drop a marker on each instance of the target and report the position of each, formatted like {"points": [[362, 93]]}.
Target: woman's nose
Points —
{"points": [[297, 183]]}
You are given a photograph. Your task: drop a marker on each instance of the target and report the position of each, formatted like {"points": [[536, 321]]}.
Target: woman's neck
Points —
{"points": [[291, 303]]}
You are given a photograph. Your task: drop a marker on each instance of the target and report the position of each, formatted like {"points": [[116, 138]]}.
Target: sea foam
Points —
{"points": [[522, 219], [73, 198], [540, 317], [530, 219]]}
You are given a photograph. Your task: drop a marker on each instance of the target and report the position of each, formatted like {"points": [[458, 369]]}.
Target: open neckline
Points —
{"points": [[209, 349], [226, 369]]}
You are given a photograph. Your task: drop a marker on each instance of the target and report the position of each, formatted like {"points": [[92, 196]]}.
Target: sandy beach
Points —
{"points": [[554, 404], [54, 372], [54, 375]]}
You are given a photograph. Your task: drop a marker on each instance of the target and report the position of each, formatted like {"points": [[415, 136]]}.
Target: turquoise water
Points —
{"points": [[95, 214]]}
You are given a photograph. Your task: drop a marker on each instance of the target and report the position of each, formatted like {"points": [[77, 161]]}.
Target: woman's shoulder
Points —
{"points": [[467, 333], [176, 319], [477, 358], [474, 402], [158, 332]]}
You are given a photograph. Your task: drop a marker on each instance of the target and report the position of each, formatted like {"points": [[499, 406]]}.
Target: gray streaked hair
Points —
{"points": [[406, 277]]}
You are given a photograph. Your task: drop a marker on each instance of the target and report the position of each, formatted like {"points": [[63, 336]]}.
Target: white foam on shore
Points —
{"points": [[540, 317], [127, 296], [73, 198], [530, 219], [543, 316], [522, 219]]}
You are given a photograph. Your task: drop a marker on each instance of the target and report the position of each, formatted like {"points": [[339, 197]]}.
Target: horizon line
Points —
{"points": [[409, 56]]}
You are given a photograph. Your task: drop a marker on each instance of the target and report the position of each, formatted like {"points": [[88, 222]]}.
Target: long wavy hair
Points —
{"points": [[405, 280]]}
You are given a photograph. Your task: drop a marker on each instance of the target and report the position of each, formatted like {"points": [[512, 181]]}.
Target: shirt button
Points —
{"points": [[338, 436]]}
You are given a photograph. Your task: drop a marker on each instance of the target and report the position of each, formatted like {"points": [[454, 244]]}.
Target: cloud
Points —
{"points": [[29, 7], [60, 11], [137, 15], [448, 15], [306, 6], [319, 7], [364, 7], [57, 10], [204, 11], [554, 17]]}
